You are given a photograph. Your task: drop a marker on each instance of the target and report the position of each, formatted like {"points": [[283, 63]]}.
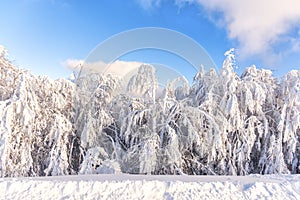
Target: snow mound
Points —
{"points": [[152, 187]]}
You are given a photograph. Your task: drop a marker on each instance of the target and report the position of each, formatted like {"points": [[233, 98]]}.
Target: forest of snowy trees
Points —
{"points": [[222, 124]]}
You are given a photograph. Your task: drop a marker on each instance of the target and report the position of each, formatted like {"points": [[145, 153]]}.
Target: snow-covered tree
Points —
{"points": [[221, 124], [289, 123]]}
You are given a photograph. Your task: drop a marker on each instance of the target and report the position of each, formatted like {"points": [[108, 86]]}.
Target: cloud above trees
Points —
{"points": [[257, 26]]}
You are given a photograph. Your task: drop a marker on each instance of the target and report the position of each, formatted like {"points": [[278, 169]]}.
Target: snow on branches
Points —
{"points": [[221, 124]]}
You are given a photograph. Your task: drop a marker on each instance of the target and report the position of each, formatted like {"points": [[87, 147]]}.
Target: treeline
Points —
{"points": [[222, 124]]}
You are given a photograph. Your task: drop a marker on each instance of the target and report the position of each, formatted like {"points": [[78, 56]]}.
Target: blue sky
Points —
{"points": [[41, 35]]}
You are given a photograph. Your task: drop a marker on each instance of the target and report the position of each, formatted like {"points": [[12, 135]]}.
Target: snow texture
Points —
{"points": [[152, 187]]}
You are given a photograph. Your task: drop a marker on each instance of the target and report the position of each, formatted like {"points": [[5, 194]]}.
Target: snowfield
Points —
{"points": [[123, 186]]}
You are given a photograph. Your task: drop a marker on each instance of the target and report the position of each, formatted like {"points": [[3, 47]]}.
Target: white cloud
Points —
{"points": [[295, 43], [257, 25], [118, 68], [146, 4], [72, 64]]}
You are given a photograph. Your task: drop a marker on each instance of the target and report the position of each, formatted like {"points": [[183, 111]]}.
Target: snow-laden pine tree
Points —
{"points": [[36, 131], [93, 120], [289, 123], [135, 122], [168, 117], [258, 102]]}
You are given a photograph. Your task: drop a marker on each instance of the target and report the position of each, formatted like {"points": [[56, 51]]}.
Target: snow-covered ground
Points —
{"points": [[123, 186]]}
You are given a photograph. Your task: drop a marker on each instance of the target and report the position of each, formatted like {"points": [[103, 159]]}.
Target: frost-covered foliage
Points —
{"points": [[221, 124], [37, 136], [289, 121]]}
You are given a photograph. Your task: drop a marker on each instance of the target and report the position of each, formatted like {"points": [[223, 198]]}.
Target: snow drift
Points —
{"points": [[151, 187]]}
